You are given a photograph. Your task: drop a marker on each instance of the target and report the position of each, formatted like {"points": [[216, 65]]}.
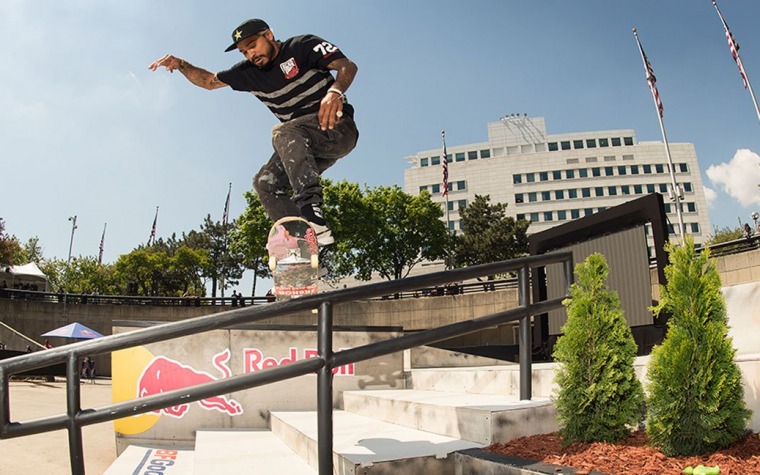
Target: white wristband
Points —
{"points": [[338, 92]]}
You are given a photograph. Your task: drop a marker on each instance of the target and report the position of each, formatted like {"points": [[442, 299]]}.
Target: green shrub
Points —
{"points": [[599, 397], [696, 400]]}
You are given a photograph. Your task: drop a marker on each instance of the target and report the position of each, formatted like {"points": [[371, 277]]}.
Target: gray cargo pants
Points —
{"points": [[302, 151]]}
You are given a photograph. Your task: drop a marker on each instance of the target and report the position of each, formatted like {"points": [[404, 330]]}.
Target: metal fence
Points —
{"points": [[76, 417]]}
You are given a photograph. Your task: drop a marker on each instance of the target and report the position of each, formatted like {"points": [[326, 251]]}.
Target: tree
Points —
{"points": [[249, 239], [32, 251], [10, 249], [224, 266], [86, 275], [696, 399], [382, 230], [725, 234], [599, 396], [488, 234]]}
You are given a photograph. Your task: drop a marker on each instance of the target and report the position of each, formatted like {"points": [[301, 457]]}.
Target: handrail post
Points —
{"points": [[325, 390], [73, 406], [526, 373]]}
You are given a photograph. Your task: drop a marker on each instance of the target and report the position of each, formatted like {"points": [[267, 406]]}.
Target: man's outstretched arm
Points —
{"points": [[198, 76]]}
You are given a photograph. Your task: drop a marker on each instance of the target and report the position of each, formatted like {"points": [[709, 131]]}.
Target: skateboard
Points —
{"points": [[293, 258]]}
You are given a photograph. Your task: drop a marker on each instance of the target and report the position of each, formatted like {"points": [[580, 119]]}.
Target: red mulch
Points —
{"points": [[632, 455]]}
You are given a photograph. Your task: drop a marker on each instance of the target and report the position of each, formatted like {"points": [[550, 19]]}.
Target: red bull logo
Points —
{"points": [[165, 374]]}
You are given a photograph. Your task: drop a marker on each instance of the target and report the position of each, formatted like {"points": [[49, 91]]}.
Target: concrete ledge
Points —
{"points": [[482, 462]]}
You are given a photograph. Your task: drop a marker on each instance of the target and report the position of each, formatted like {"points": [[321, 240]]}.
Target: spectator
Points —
{"points": [[747, 231], [47, 344]]}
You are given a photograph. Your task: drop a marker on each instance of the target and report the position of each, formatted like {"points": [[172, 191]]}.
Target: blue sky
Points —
{"points": [[87, 130]]}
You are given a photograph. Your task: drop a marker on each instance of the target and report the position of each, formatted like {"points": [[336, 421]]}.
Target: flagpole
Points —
{"points": [[225, 217], [445, 164], [675, 190], [152, 236], [102, 244], [734, 47]]}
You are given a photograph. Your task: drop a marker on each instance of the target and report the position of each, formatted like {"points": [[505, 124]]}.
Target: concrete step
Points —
{"points": [[482, 418], [168, 461], [362, 445], [246, 452], [504, 380]]}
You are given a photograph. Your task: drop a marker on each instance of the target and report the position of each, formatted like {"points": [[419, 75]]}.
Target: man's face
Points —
{"points": [[259, 49]]}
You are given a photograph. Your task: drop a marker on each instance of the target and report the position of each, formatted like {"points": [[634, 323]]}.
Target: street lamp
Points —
{"points": [[754, 217], [73, 220]]}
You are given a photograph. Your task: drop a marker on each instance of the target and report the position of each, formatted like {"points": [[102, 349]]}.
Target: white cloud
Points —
{"points": [[710, 196], [739, 178]]}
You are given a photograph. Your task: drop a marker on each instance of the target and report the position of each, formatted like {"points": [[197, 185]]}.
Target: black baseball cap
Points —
{"points": [[246, 29]]}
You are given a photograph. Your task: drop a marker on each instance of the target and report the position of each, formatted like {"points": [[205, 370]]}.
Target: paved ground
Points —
{"points": [[49, 453]]}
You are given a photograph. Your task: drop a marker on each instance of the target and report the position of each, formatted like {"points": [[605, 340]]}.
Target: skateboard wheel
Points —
{"points": [[272, 263], [314, 261]]}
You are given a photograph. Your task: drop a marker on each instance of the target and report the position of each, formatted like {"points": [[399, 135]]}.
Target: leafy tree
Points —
{"points": [[143, 269], [55, 270], [725, 234], [249, 239], [85, 275], [382, 230], [696, 400], [32, 251], [599, 395], [488, 234], [10, 249], [224, 266]]}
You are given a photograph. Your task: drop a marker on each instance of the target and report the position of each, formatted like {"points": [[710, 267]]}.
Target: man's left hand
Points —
{"points": [[330, 110]]}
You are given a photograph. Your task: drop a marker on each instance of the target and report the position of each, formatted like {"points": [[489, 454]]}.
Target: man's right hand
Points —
{"points": [[168, 61]]}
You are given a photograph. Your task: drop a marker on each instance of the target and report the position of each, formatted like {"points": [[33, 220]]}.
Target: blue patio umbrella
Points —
{"points": [[74, 330]]}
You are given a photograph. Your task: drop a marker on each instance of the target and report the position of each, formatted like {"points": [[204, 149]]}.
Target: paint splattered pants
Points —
{"points": [[302, 151]]}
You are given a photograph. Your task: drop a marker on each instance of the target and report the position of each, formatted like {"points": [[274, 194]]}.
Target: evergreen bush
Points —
{"points": [[696, 399], [599, 397]]}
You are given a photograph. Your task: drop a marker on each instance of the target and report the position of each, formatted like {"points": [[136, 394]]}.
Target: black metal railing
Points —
{"points": [[323, 364]]}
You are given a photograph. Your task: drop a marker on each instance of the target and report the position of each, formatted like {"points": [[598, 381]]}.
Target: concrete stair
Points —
{"points": [[415, 431]]}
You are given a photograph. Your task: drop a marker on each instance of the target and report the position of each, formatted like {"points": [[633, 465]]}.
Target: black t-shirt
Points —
{"points": [[294, 83]]}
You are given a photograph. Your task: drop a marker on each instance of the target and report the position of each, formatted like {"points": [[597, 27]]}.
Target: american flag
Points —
{"points": [[153, 229], [445, 163], [226, 214], [651, 79], [102, 244], [733, 45]]}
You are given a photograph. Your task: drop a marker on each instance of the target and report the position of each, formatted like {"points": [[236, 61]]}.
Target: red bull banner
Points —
{"points": [[189, 361]]}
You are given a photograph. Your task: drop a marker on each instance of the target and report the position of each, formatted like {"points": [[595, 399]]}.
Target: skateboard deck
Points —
{"points": [[293, 258]]}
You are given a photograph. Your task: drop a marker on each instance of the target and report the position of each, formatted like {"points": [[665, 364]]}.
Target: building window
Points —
{"points": [[461, 185], [436, 188], [462, 204], [543, 176], [583, 173], [586, 192], [609, 158], [553, 146], [625, 189], [683, 167], [570, 174], [520, 217], [561, 215], [577, 144], [671, 230], [533, 217], [459, 157], [435, 160], [627, 157], [548, 216], [572, 194], [485, 154], [516, 179], [667, 208], [691, 207], [452, 225], [647, 169], [530, 177], [621, 170], [612, 190], [591, 160], [637, 189], [687, 187], [590, 143], [565, 145], [559, 194], [451, 206], [616, 141], [599, 191], [588, 211], [472, 155], [596, 171], [695, 228], [424, 162], [423, 188], [603, 143], [532, 197], [570, 161], [663, 188], [556, 175], [650, 188], [575, 213], [545, 196], [659, 168], [519, 198], [634, 169], [628, 140], [609, 171]]}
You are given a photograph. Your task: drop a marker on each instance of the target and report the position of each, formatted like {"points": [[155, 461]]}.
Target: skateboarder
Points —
{"points": [[293, 79]]}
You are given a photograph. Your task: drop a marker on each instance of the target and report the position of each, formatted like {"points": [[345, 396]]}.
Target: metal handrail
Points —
{"points": [[323, 364]]}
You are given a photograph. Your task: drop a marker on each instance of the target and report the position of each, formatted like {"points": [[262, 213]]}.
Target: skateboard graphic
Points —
{"points": [[293, 258]]}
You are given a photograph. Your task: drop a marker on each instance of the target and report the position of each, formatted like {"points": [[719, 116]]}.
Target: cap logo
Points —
{"points": [[238, 34]]}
